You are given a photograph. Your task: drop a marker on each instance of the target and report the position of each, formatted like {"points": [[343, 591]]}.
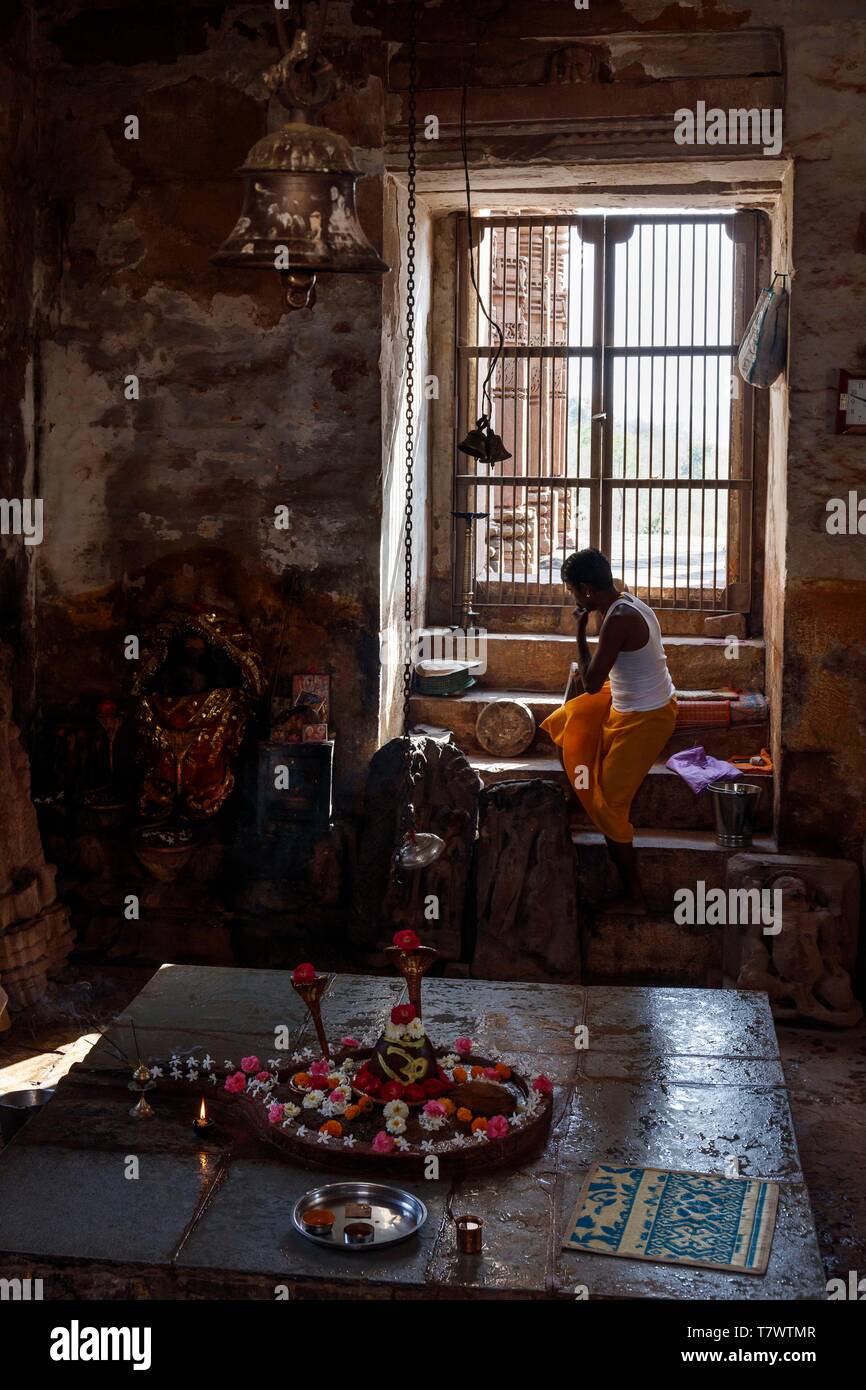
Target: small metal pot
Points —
{"points": [[735, 805], [16, 1108]]}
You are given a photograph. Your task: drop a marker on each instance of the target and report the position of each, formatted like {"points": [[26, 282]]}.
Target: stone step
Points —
{"points": [[541, 662], [662, 799], [669, 860], [459, 713], [654, 949]]}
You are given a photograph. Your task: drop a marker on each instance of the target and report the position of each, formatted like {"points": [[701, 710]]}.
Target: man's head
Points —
{"points": [[588, 575]]}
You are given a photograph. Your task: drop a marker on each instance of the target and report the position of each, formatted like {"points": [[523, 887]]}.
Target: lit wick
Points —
{"points": [[469, 1237], [202, 1123]]}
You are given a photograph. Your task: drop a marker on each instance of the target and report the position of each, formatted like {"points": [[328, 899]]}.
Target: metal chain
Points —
{"points": [[410, 363], [410, 416]]}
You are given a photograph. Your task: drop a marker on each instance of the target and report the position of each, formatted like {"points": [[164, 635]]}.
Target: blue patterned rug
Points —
{"points": [[676, 1218]]}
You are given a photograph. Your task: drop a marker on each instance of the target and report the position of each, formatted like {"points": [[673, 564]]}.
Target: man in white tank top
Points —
{"points": [[610, 736]]}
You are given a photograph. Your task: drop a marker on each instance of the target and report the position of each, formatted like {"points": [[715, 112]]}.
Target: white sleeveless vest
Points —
{"points": [[640, 680]]}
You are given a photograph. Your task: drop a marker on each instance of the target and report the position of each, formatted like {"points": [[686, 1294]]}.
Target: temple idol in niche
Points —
{"points": [[200, 678]]}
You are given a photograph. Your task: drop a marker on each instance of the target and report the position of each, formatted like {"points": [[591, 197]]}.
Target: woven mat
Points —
{"points": [[675, 1218]]}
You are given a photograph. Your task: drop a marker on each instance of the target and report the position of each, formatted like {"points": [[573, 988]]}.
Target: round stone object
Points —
{"points": [[505, 728]]}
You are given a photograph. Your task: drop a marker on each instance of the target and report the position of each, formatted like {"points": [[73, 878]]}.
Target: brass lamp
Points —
{"points": [[299, 214]]}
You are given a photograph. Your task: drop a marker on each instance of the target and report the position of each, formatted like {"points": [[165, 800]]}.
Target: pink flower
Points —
{"points": [[434, 1108], [543, 1085], [383, 1143], [497, 1127], [339, 1094], [237, 1082], [250, 1064], [275, 1113], [492, 1073], [263, 1076], [320, 1068], [349, 1042], [462, 1045]]}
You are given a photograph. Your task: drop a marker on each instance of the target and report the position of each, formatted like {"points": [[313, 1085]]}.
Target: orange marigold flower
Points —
{"points": [[300, 1078], [503, 1070], [332, 1127], [352, 1112], [459, 1074], [480, 1123], [447, 1105], [464, 1115], [365, 1104], [477, 1071], [333, 1081]]}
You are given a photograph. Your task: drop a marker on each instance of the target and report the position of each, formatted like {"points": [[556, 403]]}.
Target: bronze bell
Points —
{"points": [[299, 213], [483, 444]]}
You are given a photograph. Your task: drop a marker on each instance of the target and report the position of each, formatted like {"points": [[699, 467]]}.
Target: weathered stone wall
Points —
{"points": [[243, 406]]}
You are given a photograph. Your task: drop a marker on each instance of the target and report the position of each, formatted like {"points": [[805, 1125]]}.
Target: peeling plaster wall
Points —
{"points": [[243, 407], [17, 122]]}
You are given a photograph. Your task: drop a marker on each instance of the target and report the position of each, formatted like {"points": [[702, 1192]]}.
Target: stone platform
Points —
{"points": [[671, 1078]]}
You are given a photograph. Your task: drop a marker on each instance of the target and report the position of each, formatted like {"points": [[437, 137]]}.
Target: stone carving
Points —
{"points": [[35, 935], [577, 63], [445, 796], [525, 885], [805, 966]]}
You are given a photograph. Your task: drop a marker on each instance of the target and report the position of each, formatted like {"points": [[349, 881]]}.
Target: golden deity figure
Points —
{"points": [[200, 678]]}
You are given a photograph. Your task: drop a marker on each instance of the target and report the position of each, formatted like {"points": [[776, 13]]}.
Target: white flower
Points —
{"points": [[155, 1072], [427, 1145], [415, 1030], [192, 1076], [394, 1031], [274, 1063], [302, 1129], [313, 1099], [229, 1066], [206, 1062], [480, 1135], [515, 1119], [348, 1140], [449, 1061], [431, 1121], [396, 1124], [297, 1056], [396, 1107], [458, 1141], [175, 1073], [291, 1109], [174, 1060], [213, 1078], [324, 1137]]}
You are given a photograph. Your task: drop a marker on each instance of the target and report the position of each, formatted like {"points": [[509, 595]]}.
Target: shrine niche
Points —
{"points": [[806, 966], [200, 679]]}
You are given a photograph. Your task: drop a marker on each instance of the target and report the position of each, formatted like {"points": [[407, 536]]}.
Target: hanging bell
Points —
{"points": [[299, 214], [483, 444]]}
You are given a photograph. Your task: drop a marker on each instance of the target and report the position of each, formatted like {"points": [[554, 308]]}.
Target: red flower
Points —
{"points": [[433, 1087], [543, 1085], [372, 1086], [414, 1093], [304, 974], [443, 1077], [393, 1090], [403, 1013], [406, 940]]}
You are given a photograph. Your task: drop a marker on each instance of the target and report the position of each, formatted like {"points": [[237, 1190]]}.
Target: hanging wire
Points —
{"points": [[486, 400]]}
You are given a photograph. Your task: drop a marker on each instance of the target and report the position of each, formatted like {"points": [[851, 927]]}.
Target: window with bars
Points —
{"points": [[617, 396]]}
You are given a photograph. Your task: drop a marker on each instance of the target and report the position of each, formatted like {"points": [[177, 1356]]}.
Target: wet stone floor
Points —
{"points": [[825, 1073]]}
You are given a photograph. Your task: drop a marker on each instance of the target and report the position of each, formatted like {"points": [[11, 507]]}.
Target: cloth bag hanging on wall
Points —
{"points": [[763, 352]]}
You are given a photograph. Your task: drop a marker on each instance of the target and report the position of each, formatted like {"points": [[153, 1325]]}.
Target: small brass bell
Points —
{"points": [[483, 444], [419, 847]]}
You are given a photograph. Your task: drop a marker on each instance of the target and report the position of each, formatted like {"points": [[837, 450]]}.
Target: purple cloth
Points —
{"points": [[699, 769]]}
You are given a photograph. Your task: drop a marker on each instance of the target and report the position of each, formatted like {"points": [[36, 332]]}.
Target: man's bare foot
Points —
{"points": [[627, 907]]}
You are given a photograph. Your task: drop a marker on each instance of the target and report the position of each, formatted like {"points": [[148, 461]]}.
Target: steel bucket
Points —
{"points": [[734, 806]]}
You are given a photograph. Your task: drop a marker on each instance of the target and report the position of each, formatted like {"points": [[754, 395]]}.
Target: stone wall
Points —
{"points": [[243, 406]]}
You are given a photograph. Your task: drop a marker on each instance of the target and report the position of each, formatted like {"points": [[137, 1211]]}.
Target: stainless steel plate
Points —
{"points": [[395, 1214]]}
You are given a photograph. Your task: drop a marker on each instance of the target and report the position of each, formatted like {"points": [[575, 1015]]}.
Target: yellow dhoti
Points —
{"points": [[607, 753]]}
